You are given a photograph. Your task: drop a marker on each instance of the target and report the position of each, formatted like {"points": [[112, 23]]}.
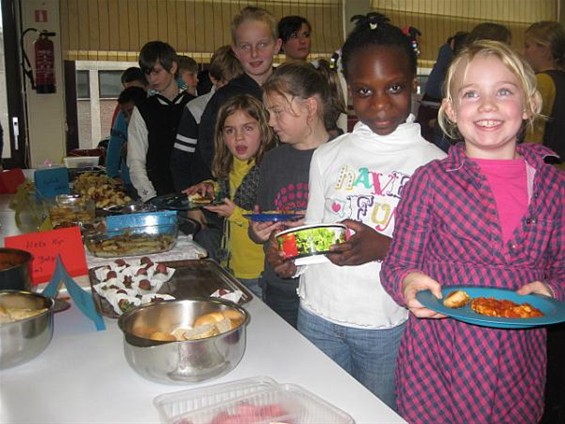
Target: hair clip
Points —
{"points": [[412, 33]]}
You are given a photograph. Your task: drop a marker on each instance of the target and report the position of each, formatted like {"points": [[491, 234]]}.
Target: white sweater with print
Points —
{"points": [[360, 176]]}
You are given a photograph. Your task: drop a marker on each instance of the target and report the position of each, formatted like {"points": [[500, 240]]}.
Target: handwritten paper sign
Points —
{"points": [[46, 246], [50, 182]]}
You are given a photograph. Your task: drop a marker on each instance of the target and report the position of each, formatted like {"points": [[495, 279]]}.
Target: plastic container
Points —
{"points": [[81, 161], [171, 405], [308, 244], [262, 404]]}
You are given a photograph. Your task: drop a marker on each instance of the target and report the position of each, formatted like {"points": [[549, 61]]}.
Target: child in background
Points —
{"points": [[358, 179], [544, 49], [185, 162], [255, 43], [131, 77], [188, 75], [243, 136], [116, 166], [489, 31], [490, 215], [224, 67], [300, 102], [153, 126]]}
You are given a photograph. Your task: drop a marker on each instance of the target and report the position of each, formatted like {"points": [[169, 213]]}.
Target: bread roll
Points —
{"points": [[162, 337], [234, 316], [209, 318], [456, 299]]}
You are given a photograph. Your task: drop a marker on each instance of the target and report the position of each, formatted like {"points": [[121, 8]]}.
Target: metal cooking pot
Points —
{"points": [[187, 361], [23, 340], [15, 269]]}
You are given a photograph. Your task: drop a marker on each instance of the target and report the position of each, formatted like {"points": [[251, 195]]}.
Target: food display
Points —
{"points": [[67, 210], [186, 279], [489, 306], [133, 241], [310, 240], [8, 314], [164, 359], [504, 308], [26, 326], [15, 269], [206, 325], [102, 189], [126, 285]]}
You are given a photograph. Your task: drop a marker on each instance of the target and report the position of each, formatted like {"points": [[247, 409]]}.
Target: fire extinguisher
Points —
{"points": [[44, 54], [44, 63]]}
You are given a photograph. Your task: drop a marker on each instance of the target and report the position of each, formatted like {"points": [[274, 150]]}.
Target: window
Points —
{"points": [[110, 84], [83, 85]]}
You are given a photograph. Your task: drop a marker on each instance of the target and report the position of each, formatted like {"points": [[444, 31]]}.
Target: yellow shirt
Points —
{"points": [[246, 257], [547, 90]]}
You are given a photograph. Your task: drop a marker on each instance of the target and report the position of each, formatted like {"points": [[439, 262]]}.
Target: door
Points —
{"points": [[11, 102]]}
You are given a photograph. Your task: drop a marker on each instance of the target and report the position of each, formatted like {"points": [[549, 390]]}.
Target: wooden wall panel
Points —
{"points": [[102, 27], [93, 27], [117, 29], [439, 19], [152, 21], [133, 25], [115, 22], [180, 24]]}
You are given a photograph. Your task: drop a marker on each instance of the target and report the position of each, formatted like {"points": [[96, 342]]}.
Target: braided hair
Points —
{"points": [[375, 29]]}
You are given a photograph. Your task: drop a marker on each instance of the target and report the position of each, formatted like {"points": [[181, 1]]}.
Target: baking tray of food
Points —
{"points": [[193, 278]]}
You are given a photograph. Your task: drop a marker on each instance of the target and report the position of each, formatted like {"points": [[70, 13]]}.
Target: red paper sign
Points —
{"points": [[46, 245]]}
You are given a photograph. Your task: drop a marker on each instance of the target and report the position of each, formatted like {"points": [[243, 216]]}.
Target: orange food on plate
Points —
{"points": [[504, 308]]}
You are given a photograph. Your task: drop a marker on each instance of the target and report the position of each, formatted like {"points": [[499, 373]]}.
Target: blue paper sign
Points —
{"points": [[80, 297], [49, 182]]}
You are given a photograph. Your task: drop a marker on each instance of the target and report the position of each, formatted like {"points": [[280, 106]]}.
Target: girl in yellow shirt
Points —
{"points": [[242, 136]]}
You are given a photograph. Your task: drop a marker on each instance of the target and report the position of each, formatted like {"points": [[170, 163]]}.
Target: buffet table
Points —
{"points": [[83, 376]]}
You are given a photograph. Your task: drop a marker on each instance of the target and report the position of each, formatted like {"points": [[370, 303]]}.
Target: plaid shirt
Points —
{"points": [[447, 227]]}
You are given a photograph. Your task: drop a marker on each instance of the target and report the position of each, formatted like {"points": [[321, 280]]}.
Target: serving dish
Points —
{"points": [[67, 210], [132, 241], [553, 310], [24, 339], [187, 361], [308, 243], [15, 269], [196, 278]]}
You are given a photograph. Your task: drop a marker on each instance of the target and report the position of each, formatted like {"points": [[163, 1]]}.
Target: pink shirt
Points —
{"points": [[508, 181]]}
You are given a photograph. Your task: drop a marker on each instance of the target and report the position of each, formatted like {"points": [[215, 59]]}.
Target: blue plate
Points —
{"points": [[553, 310], [273, 217]]}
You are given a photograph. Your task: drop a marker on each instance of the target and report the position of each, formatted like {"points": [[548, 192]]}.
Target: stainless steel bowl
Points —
{"points": [[23, 340], [15, 269], [181, 361]]}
